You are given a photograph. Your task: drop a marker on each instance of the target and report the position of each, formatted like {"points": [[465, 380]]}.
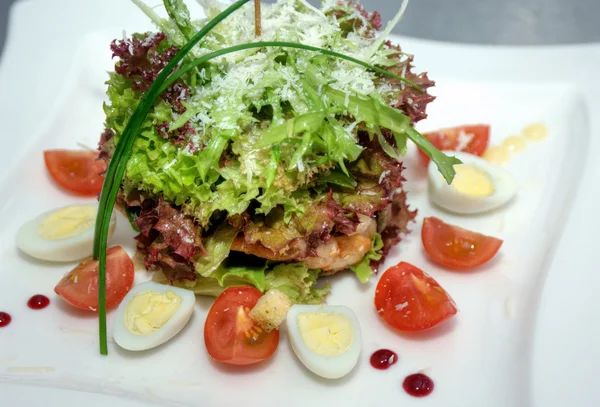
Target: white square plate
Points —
{"points": [[494, 352]]}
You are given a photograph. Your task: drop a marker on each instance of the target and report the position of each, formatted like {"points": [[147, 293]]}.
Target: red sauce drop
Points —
{"points": [[38, 301], [4, 319], [418, 385], [383, 359]]}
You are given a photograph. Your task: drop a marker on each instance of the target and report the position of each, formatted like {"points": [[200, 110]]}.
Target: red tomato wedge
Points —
{"points": [[455, 247], [230, 335], [76, 171], [471, 139], [410, 300], [80, 286]]}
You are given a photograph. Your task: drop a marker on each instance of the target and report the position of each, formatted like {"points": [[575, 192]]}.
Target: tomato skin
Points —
{"points": [[76, 171], [457, 248], [447, 139], [226, 326], [79, 287], [409, 300]]}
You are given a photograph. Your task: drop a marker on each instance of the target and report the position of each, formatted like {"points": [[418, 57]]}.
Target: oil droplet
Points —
{"points": [[513, 144], [501, 153], [496, 155], [535, 131]]}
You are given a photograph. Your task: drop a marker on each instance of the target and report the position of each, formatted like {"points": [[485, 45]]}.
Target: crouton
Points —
{"points": [[270, 310]]}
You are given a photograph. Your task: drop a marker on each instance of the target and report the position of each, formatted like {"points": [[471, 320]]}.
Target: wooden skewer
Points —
{"points": [[257, 18]]}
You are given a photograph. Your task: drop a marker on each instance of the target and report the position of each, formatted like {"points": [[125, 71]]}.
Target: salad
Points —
{"points": [[268, 166], [254, 151]]}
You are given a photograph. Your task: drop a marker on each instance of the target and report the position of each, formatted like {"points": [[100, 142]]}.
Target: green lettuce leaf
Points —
{"points": [[222, 278], [201, 286], [230, 273], [180, 14], [363, 269], [228, 276], [337, 178], [375, 112], [297, 282], [217, 247], [293, 279]]}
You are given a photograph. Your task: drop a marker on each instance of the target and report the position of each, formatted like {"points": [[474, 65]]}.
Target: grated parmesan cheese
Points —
{"points": [[383, 175], [463, 140], [169, 165], [400, 307], [235, 85]]}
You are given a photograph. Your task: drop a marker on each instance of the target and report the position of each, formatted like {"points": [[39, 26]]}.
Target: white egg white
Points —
{"points": [[329, 367], [135, 342], [450, 199], [69, 249]]}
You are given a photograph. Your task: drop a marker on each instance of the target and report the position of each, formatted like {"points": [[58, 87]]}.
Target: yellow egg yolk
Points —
{"points": [[68, 222], [148, 311], [473, 181], [326, 333]]}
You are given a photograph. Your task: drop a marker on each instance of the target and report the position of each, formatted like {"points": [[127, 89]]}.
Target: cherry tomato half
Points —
{"points": [[471, 139], [455, 247], [80, 286], [410, 300], [76, 171], [230, 335]]}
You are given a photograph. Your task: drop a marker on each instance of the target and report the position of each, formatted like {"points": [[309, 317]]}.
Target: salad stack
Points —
{"points": [[269, 166]]}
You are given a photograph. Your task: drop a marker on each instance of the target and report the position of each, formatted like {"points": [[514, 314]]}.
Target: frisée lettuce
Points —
{"points": [[279, 115]]}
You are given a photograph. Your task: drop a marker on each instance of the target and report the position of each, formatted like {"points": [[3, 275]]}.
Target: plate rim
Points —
{"points": [[577, 54]]}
